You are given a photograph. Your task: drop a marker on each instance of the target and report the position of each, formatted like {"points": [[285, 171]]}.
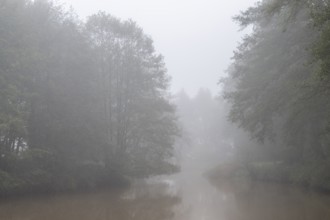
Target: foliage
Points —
{"points": [[278, 88]]}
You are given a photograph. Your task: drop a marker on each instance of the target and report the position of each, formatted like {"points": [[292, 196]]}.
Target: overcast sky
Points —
{"points": [[196, 37]]}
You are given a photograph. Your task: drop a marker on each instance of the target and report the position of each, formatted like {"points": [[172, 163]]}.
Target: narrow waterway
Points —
{"points": [[188, 195]]}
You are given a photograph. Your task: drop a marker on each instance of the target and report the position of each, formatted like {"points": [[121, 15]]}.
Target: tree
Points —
{"points": [[133, 86], [273, 92]]}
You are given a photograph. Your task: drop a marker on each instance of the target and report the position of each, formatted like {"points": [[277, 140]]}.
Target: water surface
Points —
{"points": [[188, 195]]}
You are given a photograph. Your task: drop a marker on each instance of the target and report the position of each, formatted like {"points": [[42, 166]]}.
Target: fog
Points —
{"points": [[119, 110], [197, 38]]}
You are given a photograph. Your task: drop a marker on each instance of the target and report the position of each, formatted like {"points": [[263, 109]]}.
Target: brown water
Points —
{"points": [[165, 198], [185, 196]]}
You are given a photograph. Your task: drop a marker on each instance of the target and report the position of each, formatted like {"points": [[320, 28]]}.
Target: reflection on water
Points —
{"points": [[257, 201], [143, 202], [186, 196]]}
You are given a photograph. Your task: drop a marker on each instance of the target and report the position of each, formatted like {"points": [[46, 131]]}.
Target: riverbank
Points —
{"points": [[40, 172], [42, 181], [315, 176]]}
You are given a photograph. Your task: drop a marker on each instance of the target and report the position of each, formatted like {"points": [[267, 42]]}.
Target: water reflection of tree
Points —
{"points": [[151, 203], [259, 201], [145, 203]]}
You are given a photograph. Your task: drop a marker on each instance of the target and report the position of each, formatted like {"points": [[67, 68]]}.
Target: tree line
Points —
{"points": [[278, 88], [82, 103]]}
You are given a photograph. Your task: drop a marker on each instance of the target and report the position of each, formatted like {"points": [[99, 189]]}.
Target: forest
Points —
{"points": [[84, 104]]}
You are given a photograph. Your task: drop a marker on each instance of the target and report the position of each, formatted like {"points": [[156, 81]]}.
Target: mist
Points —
{"points": [[118, 110], [197, 38]]}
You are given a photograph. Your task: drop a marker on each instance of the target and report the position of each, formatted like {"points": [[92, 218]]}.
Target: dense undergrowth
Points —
{"points": [[39, 172]]}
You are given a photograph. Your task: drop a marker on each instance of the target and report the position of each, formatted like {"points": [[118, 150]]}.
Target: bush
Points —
{"points": [[320, 176], [10, 184], [269, 171]]}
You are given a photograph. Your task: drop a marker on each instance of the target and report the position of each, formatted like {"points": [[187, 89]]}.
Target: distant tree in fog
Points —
{"points": [[204, 121]]}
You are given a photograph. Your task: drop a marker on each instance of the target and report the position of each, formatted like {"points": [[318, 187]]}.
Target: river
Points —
{"points": [[188, 195]]}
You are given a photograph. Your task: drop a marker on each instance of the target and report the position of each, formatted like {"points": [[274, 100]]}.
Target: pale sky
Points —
{"points": [[196, 37]]}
